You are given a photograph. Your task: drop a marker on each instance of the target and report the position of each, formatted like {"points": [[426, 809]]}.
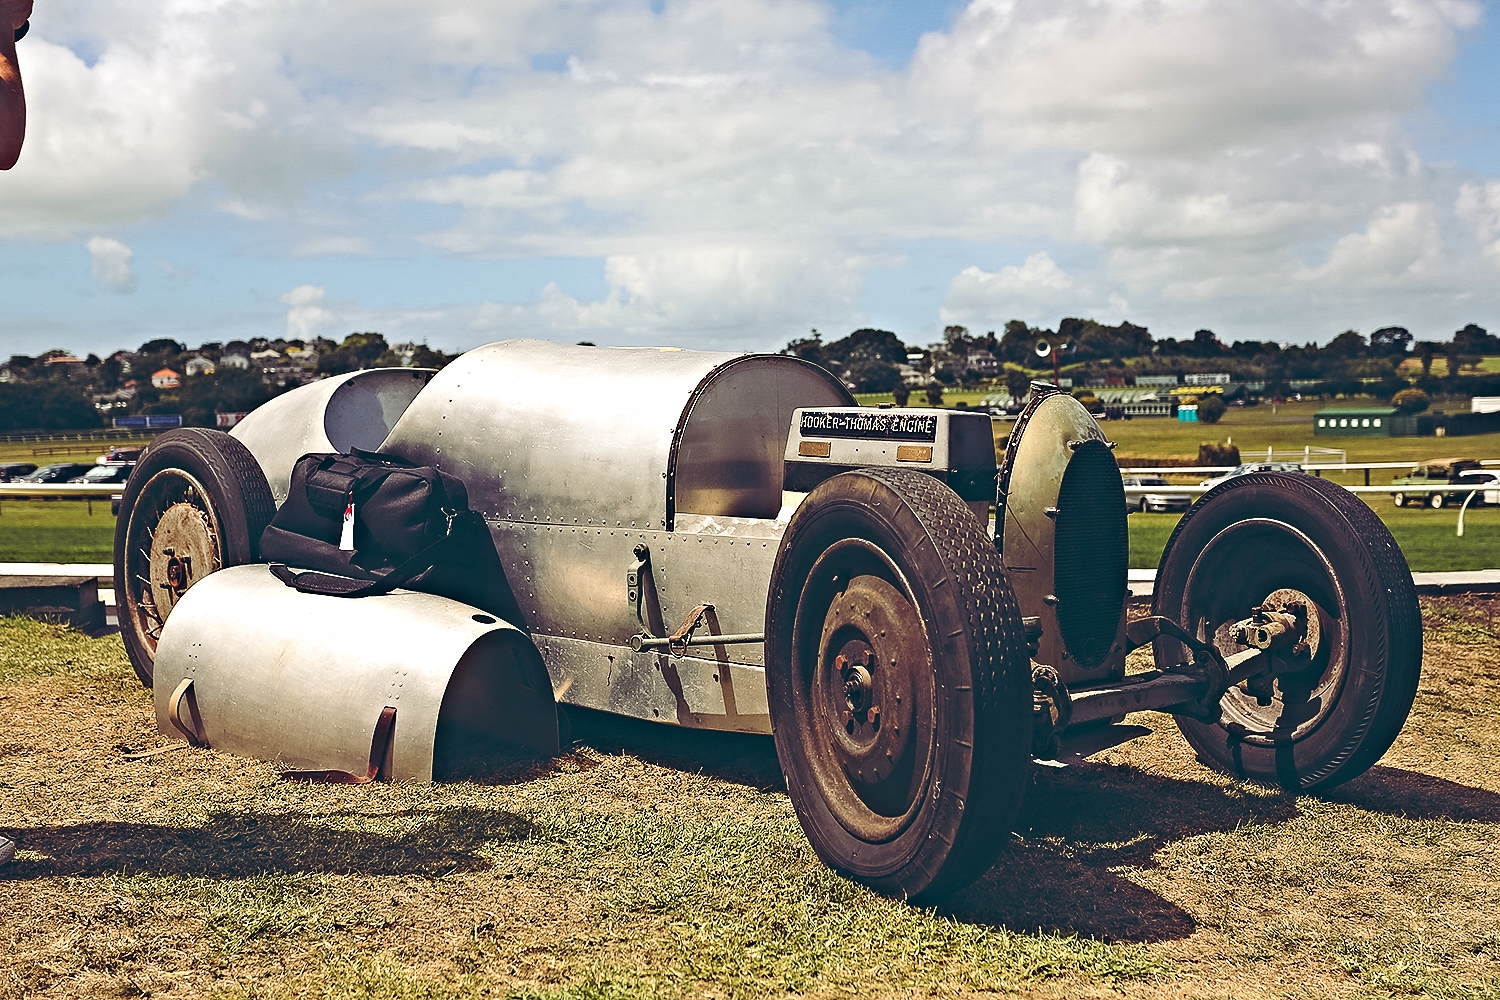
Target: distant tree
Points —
{"points": [[807, 348], [358, 350], [162, 345], [46, 406], [901, 394], [873, 375], [1211, 408], [1093, 340], [587, 343], [1206, 344], [426, 357], [1425, 350], [1349, 344], [229, 390], [1016, 343], [1410, 401], [1475, 339], [934, 394], [1017, 383], [866, 345], [1390, 340]]}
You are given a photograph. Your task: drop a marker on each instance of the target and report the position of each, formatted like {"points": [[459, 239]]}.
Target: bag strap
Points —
{"points": [[314, 582]]}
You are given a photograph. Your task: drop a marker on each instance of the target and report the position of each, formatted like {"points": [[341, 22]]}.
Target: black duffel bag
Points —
{"points": [[366, 523]]}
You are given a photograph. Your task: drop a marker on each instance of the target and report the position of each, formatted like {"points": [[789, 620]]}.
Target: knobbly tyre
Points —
{"points": [[727, 542]]}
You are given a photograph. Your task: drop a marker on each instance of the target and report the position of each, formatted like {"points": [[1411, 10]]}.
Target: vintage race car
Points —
{"points": [[728, 542]]}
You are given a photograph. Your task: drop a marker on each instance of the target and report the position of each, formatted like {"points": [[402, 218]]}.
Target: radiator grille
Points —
{"points": [[1091, 554]]}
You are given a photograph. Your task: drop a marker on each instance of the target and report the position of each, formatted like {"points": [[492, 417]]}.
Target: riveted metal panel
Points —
{"points": [[569, 580], [302, 678], [556, 434], [544, 432], [687, 691]]}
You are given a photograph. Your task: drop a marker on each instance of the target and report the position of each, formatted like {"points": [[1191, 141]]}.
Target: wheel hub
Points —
{"points": [[1296, 618], [867, 682], [184, 549]]}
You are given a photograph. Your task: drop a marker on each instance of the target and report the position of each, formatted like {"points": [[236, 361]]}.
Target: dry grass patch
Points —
{"points": [[653, 862]]}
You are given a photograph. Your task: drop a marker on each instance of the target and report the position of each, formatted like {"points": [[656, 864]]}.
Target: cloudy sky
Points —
{"points": [[730, 173]]}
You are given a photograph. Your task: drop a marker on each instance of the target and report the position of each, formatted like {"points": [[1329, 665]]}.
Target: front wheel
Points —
{"points": [[1436, 501], [196, 502], [1400, 499], [899, 683], [1296, 544]]}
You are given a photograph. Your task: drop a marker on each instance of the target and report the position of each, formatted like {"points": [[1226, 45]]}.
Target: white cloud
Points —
{"points": [[307, 315], [1401, 244], [739, 171], [334, 246], [109, 260], [1037, 291], [1479, 205]]}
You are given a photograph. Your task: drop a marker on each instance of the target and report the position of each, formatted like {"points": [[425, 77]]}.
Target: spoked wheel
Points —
{"points": [[197, 502], [899, 683], [1301, 553]]}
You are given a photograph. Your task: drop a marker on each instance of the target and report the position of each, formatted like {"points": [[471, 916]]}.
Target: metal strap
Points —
{"points": [[379, 745]]}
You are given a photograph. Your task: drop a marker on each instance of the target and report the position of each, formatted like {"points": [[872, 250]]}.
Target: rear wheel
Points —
{"points": [[1400, 499], [899, 683], [1436, 501], [1283, 542], [196, 502]]}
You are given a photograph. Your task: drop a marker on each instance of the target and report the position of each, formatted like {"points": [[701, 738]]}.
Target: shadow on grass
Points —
{"points": [[1398, 792], [1079, 823], [741, 758], [241, 845]]}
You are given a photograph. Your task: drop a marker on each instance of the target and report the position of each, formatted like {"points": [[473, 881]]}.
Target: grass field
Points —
{"points": [[1428, 538], [68, 531], [60, 451], [36, 531], [652, 862], [64, 531]]}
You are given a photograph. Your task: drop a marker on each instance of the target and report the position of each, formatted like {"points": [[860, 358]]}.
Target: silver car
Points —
{"points": [[725, 541], [1164, 502], [1249, 467]]}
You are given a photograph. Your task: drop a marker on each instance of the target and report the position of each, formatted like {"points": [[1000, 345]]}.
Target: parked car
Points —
{"points": [[1157, 503], [831, 568], [1432, 473], [9, 473], [116, 453], [60, 472], [1480, 481], [1248, 467], [115, 472]]}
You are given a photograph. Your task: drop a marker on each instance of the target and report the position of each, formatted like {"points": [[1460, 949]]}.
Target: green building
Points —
{"points": [[1383, 421]]}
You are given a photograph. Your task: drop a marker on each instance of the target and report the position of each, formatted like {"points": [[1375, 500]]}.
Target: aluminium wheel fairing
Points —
{"points": [[1281, 541], [196, 502], [899, 683]]}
